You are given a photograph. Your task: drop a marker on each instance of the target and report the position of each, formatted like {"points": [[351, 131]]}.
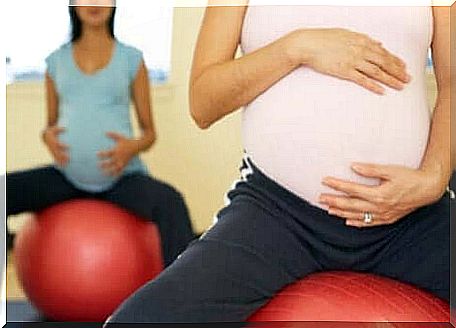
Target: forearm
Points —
{"points": [[145, 142], [51, 121], [52, 118], [223, 88], [437, 158], [52, 102], [453, 137]]}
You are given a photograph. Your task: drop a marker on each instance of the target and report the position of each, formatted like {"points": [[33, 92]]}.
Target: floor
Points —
{"points": [[13, 287]]}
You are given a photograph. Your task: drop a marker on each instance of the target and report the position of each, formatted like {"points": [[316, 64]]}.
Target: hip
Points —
{"points": [[292, 210]]}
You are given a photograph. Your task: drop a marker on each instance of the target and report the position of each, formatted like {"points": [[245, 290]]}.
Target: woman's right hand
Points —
{"points": [[348, 55], [58, 150]]}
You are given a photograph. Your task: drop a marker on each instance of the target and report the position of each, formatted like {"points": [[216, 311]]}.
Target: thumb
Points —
{"points": [[59, 130], [114, 136], [371, 170]]}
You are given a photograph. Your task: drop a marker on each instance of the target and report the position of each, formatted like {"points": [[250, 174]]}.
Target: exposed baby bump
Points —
{"points": [[305, 144]]}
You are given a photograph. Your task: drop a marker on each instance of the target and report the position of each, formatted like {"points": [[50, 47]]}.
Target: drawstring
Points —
{"points": [[451, 192]]}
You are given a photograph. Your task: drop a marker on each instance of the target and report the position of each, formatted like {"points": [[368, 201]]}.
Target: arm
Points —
{"points": [[403, 189], [142, 104], [453, 89], [221, 84], [437, 157], [114, 160], [51, 132], [52, 102]]}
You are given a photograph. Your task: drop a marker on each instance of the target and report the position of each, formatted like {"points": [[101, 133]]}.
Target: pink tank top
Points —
{"points": [[310, 125]]}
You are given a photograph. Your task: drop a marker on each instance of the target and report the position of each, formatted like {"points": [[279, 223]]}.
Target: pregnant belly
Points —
{"points": [[313, 135], [83, 167]]}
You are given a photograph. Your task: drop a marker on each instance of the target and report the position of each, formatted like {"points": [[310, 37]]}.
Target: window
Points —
{"points": [[36, 28]]}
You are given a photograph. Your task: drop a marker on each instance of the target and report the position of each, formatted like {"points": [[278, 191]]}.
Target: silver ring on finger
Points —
{"points": [[368, 217]]}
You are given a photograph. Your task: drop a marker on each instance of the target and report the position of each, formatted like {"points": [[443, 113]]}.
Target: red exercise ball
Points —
{"points": [[352, 297], [78, 260]]}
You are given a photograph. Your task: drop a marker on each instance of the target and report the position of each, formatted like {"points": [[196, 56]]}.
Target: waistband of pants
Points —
{"points": [[272, 189], [254, 174]]}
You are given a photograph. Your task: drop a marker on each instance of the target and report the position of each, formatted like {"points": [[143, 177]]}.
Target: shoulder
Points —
{"points": [[59, 51], [132, 58], [129, 51], [57, 59]]}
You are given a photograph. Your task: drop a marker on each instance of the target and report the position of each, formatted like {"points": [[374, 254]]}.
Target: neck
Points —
{"points": [[95, 37]]}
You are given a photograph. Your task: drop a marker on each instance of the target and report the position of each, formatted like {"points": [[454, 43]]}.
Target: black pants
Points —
{"points": [[32, 190], [268, 237]]}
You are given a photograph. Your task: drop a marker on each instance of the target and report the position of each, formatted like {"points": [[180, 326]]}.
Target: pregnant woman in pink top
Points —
{"points": [[346, 167]]}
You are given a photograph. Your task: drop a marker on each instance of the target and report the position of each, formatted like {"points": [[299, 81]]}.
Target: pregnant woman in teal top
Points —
{"points": [[91, 107], [90, 82]]}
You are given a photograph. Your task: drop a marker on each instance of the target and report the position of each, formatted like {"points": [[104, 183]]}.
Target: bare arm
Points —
{"points": [[453, 89], [221, 84], [437, 156], [142, 103], [52, 102], [50, 134], [114, 160]]}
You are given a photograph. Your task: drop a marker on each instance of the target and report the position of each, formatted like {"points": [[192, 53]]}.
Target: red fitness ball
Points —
{"points": [[352, 300], [78, 260]]}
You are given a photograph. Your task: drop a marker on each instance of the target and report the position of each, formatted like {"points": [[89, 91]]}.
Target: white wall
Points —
{"points": [[201, 164]]}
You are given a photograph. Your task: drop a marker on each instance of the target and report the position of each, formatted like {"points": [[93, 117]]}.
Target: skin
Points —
{"points": [[402, 190], [92, 52], [366, 62], [247, 77], [102, 3]]}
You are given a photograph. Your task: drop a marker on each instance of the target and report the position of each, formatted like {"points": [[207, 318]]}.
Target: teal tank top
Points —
{"points": [[90, 106]]}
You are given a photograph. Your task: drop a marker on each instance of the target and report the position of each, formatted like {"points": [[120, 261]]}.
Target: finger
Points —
{"points": [[65, 159], [388, 59], [357, 224], [369, 170], [377, 218], [348, 204], [116, 170], [62, 146], [109, 172], [362, 224], [107, 169], [345, 215], [375, 72], [56, 130], [366, 82], [107, 164], [389, 65], [106, 154], [59, 130], [115, 136], [60, 158], [353, 189], [112, 172], [111, 168], [63, 154]]}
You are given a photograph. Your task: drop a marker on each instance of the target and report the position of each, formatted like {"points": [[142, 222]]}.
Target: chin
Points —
{"points": [[95, 23], [94, 16]]}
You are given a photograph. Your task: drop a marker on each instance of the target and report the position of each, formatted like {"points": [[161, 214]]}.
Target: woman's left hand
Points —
{"points": [[401, 191], [114, 160]]}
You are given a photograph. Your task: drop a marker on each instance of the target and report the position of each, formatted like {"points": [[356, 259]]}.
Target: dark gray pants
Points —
{"points": [[267, 238], [151, 199]]}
